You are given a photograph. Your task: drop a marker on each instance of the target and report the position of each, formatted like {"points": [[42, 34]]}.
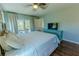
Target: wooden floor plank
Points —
{"points": [[66, 49]]}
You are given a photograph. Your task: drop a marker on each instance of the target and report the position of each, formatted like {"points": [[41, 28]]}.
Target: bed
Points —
{"points": [[35, 44]]}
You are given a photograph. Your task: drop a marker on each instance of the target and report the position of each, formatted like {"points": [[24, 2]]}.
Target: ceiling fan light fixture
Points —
{"points": [[35, 6]]}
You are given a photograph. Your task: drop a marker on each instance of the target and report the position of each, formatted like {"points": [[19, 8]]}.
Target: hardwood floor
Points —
{"points": [[66, 49]]}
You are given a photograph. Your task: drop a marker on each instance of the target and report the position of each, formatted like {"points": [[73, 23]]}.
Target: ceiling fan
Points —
{"points": [[36, 6]]}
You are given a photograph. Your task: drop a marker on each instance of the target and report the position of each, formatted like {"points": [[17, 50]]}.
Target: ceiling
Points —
{"points": [[24, 9]]}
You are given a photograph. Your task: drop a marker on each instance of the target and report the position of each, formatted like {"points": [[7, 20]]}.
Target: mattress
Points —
{"points": [[36, 44]]}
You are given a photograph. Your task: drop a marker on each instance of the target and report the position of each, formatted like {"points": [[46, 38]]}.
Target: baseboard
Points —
{"points": [[71, 41]]}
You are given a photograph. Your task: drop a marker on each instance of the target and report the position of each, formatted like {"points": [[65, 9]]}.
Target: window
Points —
{"points": [[20, 25], [23, 26], [27, 25]]}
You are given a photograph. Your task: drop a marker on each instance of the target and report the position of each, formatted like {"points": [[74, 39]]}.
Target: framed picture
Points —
{"points": [[53, 26]]}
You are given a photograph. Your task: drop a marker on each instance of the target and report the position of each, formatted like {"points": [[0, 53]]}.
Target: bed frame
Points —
{"points": [[2, 51]]}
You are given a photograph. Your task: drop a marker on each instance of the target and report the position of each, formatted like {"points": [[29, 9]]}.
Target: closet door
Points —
{"points": [[38, 24]]}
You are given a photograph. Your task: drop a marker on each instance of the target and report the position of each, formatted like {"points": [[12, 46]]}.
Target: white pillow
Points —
{"points": [[13, 41]]}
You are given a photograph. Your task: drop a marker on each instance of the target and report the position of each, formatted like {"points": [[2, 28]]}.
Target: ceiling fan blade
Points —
{"points": [[43, 7]]}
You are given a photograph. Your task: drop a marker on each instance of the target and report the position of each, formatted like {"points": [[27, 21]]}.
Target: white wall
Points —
{"points": [[68, 19]]}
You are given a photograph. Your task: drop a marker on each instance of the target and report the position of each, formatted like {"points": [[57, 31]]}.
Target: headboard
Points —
{"points": [[56, 32]]}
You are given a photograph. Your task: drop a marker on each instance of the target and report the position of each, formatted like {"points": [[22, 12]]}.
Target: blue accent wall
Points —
{"points": [[68, 20]]}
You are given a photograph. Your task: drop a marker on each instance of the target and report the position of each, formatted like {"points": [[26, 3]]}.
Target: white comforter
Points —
{"points": [[36, 44]]}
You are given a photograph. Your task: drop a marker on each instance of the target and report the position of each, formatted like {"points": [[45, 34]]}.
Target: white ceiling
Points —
{"points": [[24, 9]]}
